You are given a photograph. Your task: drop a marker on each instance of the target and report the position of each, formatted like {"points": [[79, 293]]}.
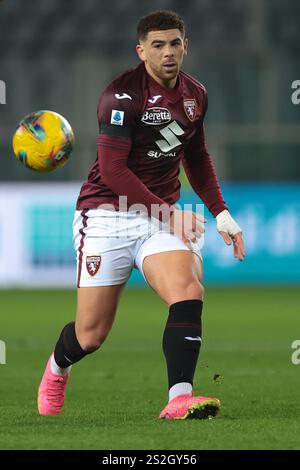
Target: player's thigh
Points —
{"points": [[175, 275], [104, 256], [96, 310]]}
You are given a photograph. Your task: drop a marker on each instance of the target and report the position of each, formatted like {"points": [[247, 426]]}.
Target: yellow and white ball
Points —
{"points": [[43, 141]]}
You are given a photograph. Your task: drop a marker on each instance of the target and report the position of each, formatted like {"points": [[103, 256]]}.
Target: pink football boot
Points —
{"points": [[52, 392], [189, 407]]}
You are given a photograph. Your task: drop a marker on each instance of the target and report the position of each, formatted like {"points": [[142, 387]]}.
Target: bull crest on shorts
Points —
{"points": [[93, 264], [190, 108]]}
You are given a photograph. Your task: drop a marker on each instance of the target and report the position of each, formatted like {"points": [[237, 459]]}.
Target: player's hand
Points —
{"points": [[187, 225], [231, 232]]}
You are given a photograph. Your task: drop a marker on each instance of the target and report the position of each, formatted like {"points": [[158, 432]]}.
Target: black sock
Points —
{"points": [[68, 350], [182, 340]]}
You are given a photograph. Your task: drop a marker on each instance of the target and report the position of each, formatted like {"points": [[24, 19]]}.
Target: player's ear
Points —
{"points": [[141, 51], [185, 45]]}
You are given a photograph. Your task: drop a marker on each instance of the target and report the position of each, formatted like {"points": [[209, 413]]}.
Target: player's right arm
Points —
{"points": [[117, 116]]}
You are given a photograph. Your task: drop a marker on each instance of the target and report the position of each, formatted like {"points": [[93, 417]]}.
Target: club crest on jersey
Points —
{"points": [[93, 264], [190, 108], [156, 116]]}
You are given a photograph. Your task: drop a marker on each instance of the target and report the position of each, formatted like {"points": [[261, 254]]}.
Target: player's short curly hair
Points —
{"points": [[159, 20]]}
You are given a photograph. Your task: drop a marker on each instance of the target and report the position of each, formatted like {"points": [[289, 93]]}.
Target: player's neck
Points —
{"points": [[169, 84]]}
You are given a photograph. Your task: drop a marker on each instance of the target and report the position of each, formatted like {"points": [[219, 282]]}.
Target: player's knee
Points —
{"points": [[195, 290], [187, 290], [90, 342], [90, 345]]}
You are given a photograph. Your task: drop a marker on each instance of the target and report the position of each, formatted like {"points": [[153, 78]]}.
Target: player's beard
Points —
{"points": [[166, 74], [162, 73]]}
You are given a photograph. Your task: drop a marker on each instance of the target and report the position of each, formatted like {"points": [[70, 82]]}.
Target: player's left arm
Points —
{"points": [[200, 170], [231, 233]]}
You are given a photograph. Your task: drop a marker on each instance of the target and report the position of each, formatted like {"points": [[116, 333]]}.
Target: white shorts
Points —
{"points": [[109, 244]]}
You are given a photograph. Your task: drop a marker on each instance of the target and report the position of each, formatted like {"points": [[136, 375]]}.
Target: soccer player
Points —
{"points": [[150, 120]]}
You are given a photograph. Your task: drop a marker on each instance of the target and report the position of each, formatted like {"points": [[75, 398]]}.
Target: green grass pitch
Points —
{"points": [[114, 396]]}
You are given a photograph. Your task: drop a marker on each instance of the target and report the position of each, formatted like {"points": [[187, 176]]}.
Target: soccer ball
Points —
{"points": [[43, 141]]}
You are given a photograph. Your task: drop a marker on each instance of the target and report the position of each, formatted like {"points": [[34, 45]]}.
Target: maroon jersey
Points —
{"points": [[145, 131]]}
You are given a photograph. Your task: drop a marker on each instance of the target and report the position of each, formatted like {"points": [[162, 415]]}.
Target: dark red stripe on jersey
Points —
{"points": [[109, 142], [103, 138], [82, 233], [110, 146], [115, 144]]}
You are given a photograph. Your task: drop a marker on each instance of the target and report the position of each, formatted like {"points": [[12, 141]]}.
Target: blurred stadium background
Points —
{"points": [[59, 55]]}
